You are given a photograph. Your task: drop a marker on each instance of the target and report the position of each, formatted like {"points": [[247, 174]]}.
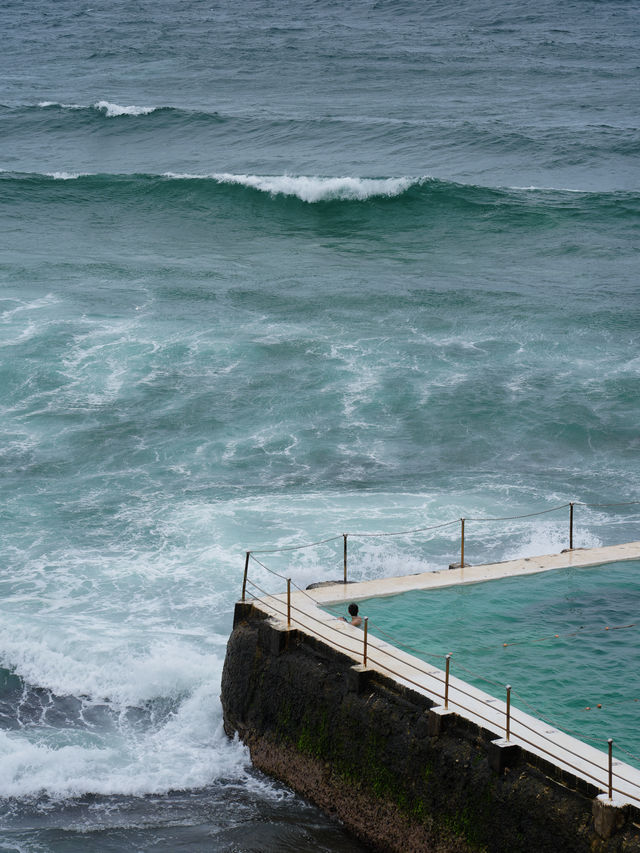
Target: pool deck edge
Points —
{"points": [[340, 592]]}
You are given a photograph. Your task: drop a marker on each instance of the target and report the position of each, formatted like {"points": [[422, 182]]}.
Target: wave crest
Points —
{"points": [[65, 176], [313, 189], [107, 108], [113, 110]]}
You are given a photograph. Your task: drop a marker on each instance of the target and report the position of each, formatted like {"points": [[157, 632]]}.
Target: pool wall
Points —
{"points": [[399, 770]]}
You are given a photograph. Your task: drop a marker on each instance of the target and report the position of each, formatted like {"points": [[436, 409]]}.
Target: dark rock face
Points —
{"points": [[363, 748]]}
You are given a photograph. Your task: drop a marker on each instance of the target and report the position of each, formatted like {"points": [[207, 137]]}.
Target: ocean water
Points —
{"points": [[271, 273]]}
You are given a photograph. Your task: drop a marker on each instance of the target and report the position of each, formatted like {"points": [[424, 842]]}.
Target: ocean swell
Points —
{"points": [[419, 201]]}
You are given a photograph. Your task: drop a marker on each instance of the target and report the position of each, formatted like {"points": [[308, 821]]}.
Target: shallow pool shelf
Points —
{"points": [[405, 756]]}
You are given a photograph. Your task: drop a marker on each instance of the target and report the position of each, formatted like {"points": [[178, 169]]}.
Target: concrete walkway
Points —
{"points": [[579, 558]]}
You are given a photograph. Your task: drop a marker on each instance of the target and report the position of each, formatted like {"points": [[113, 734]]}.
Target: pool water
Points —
{"points": [[565, 640]]}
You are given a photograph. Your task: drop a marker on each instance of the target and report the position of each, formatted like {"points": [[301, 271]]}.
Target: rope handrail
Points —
{"points": [[379, 534], [419, 652], [332, 628], [599, 506], [328, 625], [352, 535], [537, 747], [350, 651], [573, 734], [431, 674], [386, 651], [403, 532], [294, 547], [526, 515], [271, 571]]}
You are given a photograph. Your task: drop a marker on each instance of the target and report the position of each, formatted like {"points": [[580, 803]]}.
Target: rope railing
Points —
{"points": [[440, 526], [518, 517], [579, 736], [511, 717], [403, 532], [295, 547], [434, 674]]}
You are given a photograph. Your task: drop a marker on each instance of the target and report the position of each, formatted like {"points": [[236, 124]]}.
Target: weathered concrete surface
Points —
{"points": [[363, 748], [577, 559]]}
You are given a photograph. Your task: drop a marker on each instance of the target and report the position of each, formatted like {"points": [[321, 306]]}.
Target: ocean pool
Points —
{"points": [[565, 640]]}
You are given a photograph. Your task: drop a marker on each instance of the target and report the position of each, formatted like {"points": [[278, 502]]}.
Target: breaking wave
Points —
{"points": [[107, 108], [314, 189]]}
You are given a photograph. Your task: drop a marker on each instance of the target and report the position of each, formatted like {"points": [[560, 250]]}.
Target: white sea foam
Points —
{"points": [[113, 110], [119, 666], [549, 537], [48, 104], [313, 189], [110, 109], [189, 750], [65, 176]]}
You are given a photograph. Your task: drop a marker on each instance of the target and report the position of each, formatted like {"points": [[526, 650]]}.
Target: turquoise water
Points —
{"points": [[565, 641], [270, 273]]}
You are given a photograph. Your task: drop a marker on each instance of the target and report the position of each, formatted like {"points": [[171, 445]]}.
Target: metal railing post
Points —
{"points": [[508, 710], [344, 536], [446, 681], [462, 543], [366, 631], [610, 768], [246, 572], [571, 526], [288, 602]]}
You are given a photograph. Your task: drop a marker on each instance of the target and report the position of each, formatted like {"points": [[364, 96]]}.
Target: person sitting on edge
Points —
{"points": [[355, 619]]}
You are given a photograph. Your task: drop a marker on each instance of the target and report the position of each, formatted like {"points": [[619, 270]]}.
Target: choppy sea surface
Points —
{"points": [[270, 273]]}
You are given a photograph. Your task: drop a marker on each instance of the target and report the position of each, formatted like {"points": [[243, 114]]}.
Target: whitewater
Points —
{"points": [[268, 276]]}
